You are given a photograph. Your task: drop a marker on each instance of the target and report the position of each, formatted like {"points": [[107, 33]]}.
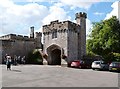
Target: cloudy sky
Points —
{"points": [[16, 16]]}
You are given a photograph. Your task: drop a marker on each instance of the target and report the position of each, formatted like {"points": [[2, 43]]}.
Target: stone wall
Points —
{"points": [[61, 41], [16, 37], [67, 37], [72, 45], [17, 47]]}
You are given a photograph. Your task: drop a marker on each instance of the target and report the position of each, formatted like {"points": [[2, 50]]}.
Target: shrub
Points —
{"points": [[35, 57]]}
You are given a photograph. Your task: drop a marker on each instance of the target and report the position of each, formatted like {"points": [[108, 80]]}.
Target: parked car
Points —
{"points": [[100, 65], [75, 63], [79, 64], [114, 66], [85, 64]]}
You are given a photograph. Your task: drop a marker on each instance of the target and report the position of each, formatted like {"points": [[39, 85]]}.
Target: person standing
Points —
{"points": [[8, 62]]}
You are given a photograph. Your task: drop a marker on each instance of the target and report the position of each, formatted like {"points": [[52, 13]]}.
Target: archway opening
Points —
{"points": [[56, 57]]}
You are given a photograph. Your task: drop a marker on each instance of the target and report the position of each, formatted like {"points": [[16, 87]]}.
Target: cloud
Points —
{"points": [[88, 27], [78, 3], [99, 13], [56, 13], [114, 11], [18, 18]]}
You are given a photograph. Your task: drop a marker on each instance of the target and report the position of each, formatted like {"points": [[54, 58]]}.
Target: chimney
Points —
{"points": [[32, 32]]}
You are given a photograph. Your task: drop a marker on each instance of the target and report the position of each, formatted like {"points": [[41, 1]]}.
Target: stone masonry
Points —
{"points": [[19, 45], [65, 38]]}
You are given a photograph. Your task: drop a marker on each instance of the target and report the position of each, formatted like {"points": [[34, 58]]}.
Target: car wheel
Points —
{"points": [[80, 67], [69, 65], [93, 68]]}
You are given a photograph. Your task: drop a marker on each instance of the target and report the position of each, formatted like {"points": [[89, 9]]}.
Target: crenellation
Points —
{"points": [[59, 26], [16, 37], [54, 22], [80, 14]]}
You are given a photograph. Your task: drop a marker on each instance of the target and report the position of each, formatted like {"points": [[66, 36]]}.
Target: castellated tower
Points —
{"points": [[65, 41], [32, 32], [81, 20]]}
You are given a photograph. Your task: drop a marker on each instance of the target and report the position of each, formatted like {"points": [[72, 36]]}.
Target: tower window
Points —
{"points": [[54, 34]]}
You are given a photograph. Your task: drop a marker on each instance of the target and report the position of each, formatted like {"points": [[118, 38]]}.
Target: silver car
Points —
{"points": [[100, 65]]}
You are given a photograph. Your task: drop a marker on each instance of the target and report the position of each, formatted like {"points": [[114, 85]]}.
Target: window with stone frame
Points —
{"points": [[54, 34]]}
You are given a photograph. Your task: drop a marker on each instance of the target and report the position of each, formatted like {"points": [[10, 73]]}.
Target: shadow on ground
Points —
{"points": [[17, 70]]}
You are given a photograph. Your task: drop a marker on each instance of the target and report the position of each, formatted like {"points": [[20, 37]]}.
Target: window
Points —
{"points": [[54, 34]]}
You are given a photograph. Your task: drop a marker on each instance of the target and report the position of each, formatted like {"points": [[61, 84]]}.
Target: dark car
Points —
{"points": [[85, 64], [114, 66]]}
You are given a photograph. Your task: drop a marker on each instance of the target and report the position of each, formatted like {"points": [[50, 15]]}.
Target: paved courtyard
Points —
{"points": [[56, 76]]}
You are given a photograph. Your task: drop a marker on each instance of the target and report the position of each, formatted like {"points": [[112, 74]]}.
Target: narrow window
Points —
{"points": [[54, 34]]}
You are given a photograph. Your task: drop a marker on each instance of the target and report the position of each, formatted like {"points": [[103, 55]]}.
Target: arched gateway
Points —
{"points": [[54, 53], [65, 39]]}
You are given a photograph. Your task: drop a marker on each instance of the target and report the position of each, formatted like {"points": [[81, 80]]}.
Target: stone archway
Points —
{"points": [[54, 55]]}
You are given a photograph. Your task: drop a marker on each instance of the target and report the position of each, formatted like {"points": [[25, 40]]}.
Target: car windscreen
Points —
{"points": [[97, 62], [116, 64]]}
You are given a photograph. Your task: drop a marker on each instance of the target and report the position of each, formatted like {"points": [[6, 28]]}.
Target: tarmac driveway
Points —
{"points": [[56, 76]]}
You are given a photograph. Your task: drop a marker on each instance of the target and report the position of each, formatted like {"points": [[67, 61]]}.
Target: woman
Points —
{"points": [[8, 62]]}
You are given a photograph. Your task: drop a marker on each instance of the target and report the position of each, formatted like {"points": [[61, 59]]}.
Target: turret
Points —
{"points": [[81, 20], [79, 17], [32, 32]]}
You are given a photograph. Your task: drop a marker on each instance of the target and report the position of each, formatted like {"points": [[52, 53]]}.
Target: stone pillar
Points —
{"points": [[81, 21], [32, 32]]}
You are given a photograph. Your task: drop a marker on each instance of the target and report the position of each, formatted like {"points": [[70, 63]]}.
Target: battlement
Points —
{"points": [[54, 22], [38, 34], [80, 14], [15, 37], [65, 25]]}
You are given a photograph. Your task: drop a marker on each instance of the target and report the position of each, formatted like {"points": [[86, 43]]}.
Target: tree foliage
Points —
{"points": [[35, 57], [104, 39]]}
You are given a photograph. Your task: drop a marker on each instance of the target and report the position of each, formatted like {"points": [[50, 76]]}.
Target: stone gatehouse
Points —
{"points": [[65, 38]]}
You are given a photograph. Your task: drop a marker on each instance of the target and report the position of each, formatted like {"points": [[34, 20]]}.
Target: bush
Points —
{"points": [[35, 57]]}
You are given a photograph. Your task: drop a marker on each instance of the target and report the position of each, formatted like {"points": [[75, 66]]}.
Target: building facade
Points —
{"points": [[19, 45], [65, 39]]}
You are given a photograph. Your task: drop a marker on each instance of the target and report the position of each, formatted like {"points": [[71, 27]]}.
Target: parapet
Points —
{"points": [[15, 37], [59, 26], [54, 22], [38, 34], [81, 14]]}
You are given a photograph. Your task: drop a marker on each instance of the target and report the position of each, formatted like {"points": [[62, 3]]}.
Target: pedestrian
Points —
{"points": [[8, 62], [15, 60], [19, 59], [23, 60]]}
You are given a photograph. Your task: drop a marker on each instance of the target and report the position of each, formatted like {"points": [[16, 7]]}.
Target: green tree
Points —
{"points": [[104, 39], [35, 57]]}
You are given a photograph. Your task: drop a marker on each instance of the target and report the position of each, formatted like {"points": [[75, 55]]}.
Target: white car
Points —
{"points": [[100, 65]]}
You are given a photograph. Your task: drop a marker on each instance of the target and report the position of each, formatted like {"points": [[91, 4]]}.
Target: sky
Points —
{"points": [[17, 16]]}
